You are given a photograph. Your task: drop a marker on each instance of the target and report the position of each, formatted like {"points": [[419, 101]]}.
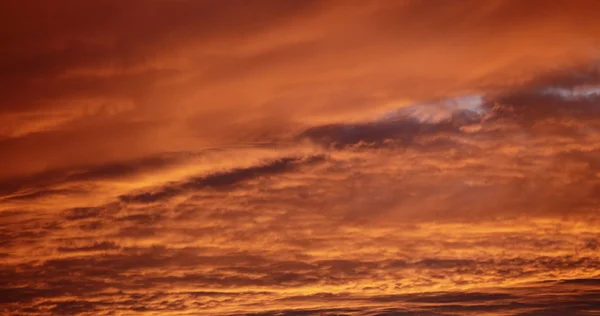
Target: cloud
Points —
{"points": [[299, 158], [402, 132], [223, 179], [114, 83], [102, 246], [83, 213]]}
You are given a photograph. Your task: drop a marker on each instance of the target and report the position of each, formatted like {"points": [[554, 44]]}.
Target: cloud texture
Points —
{"points": [[299, 158]]}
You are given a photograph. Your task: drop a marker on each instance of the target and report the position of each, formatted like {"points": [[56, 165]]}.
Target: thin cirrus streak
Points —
{"points": [[299, 157]]}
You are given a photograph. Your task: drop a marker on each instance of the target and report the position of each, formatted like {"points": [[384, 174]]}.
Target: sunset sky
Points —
{"points": [[300, 157]]}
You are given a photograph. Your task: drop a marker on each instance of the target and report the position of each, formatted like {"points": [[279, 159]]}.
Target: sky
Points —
{"points": [[285, 157]]}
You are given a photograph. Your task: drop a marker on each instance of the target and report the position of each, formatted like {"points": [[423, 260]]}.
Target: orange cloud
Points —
{"points": [[299, 158]]}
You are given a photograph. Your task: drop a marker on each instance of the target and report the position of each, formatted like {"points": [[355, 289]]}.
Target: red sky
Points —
{"points": [[283, 157]]}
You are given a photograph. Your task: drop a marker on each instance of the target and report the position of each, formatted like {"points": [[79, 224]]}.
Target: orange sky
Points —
{"points": [[283, 157]]}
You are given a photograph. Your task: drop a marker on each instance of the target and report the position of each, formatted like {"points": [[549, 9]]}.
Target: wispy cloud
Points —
{"points": [[299, 158]]}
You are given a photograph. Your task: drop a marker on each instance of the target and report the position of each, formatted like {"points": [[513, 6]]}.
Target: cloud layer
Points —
{"points": [[299, 158]]}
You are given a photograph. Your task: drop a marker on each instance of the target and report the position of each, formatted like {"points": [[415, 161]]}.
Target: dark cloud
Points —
{"points": [[534, 106], [572, 94], [564, 95], [224, 179], [43, 193], [399, 132], [462, 297], [441, 263], [128, 168], [142, 219], [39, 183], [576, 307], [582, 282], [439, 303], [76, 307], [11, 237], [306, 312], [83, 213], [572, 77], [25, 295], [111, 268], [99, 246]]}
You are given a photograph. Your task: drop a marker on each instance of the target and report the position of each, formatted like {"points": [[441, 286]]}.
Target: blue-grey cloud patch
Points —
{"points": [[397, 132]]}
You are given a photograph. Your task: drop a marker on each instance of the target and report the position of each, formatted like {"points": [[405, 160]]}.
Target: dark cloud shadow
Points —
{"points": [[224, 180]]}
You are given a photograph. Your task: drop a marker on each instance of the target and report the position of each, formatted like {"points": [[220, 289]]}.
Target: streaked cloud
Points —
{"points": [[299, 158]]}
